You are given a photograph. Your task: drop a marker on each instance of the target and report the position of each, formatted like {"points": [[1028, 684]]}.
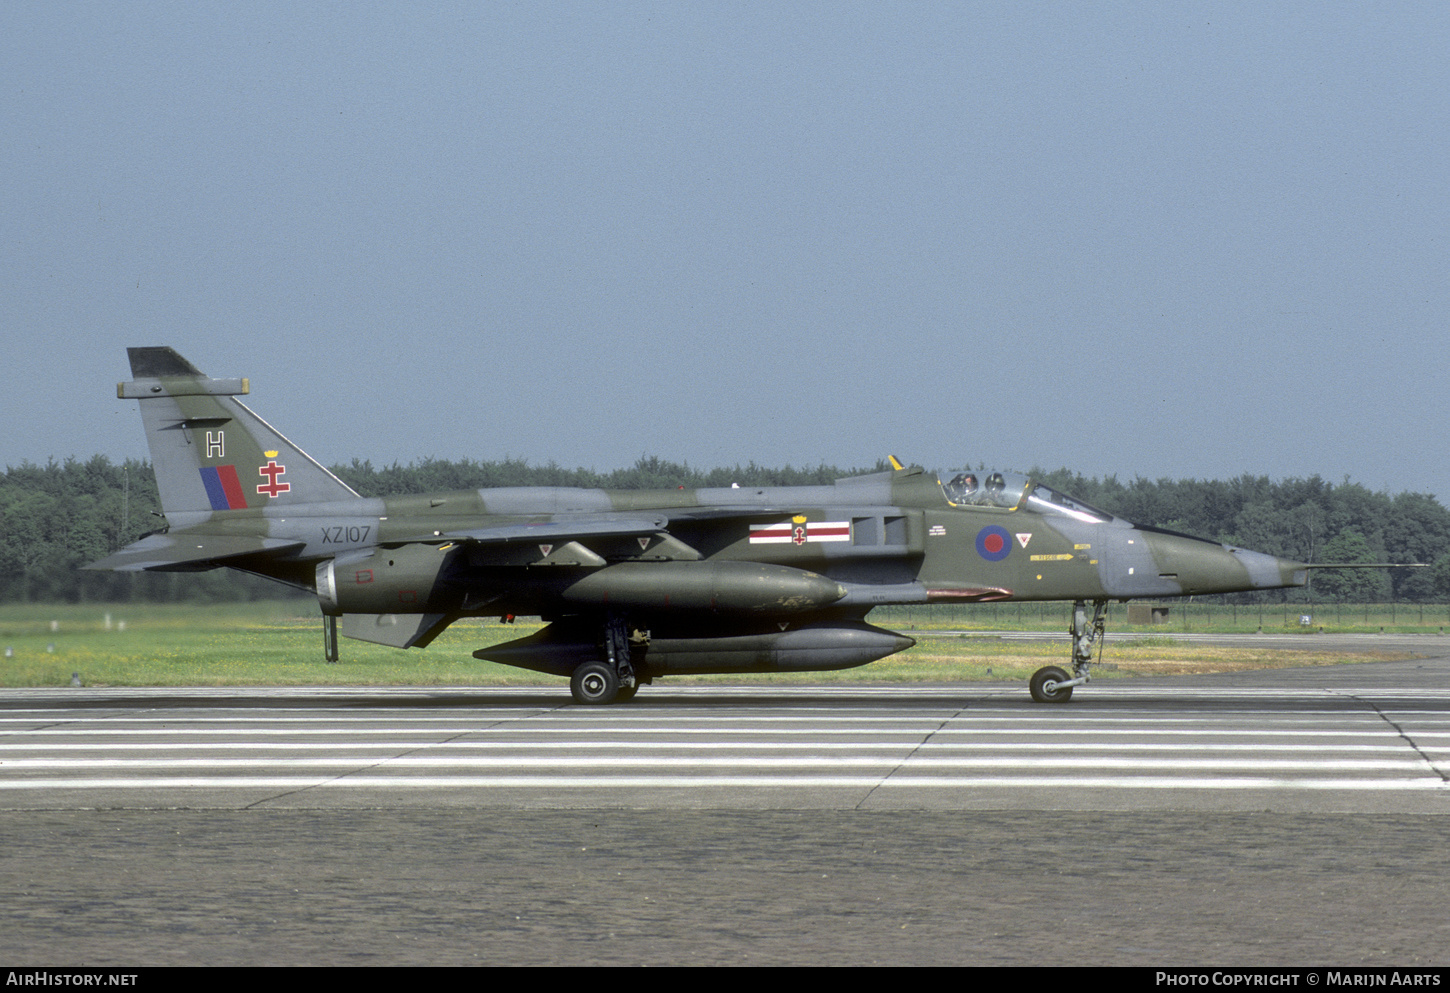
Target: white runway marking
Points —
{"points": [[937, 746]]}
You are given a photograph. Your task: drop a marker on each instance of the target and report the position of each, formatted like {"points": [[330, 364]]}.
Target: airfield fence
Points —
{"points": [[1182, 616]]}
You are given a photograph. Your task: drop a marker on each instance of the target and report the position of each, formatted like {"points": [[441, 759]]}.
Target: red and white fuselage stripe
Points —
{"points": [[799, 534]]}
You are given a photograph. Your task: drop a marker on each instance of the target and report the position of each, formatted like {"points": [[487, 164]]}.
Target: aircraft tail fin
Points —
{"points": [[210, 452]]}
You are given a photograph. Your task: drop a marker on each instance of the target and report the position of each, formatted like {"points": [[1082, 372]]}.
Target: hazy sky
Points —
{"points": [[1159, 239]]}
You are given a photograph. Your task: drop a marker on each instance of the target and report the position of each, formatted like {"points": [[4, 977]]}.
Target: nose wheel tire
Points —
{"points": [[593, 684], [1045, 688]]}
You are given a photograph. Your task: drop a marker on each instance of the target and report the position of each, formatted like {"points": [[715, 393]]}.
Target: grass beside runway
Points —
{"points": [[279, 643]]}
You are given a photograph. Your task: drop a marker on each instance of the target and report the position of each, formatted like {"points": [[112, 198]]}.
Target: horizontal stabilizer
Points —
{"points": [[395, 630], [189, 552]]}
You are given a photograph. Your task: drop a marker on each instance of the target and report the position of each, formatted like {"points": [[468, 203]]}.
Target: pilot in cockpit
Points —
{"points": [[962, 487]]}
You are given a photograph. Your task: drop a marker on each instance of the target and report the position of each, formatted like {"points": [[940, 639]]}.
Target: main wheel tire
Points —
{"points": [[626, 693], [1042, 693], [593, 684]]}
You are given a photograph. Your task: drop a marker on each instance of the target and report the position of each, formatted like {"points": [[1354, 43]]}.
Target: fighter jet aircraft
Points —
{"points": [[637, 585]]}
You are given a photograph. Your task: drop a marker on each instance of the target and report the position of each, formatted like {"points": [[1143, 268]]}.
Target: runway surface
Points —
{"points": [[1285, 816], [1122, 745]]}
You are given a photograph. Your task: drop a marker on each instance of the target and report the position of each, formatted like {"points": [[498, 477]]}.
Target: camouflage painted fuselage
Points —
{"points": [[724, 579]]}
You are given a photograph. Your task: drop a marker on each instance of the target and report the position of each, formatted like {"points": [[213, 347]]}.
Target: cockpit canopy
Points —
{"points": [[1014, 491]]}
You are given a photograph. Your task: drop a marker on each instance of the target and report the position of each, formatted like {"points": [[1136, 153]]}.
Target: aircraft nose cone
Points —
{"points": [[1200, 566]]}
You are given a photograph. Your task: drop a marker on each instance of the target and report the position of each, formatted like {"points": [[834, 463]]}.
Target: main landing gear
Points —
{"points": [[611, 679], [1050, 684]]}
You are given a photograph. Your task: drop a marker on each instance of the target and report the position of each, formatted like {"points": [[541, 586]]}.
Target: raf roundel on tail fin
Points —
{"points": [[211, 452]]}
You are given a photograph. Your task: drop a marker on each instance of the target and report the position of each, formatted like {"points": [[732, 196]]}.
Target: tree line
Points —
{"points": [[56, 517]]}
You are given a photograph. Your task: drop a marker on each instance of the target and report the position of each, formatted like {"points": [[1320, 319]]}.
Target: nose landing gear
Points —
{"points": [[1050, 684]]}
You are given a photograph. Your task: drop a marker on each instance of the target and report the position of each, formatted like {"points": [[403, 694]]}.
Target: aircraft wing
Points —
{"points": [[501, 544], [753, 512], [563, 529], [184, 552], [558, 541]]}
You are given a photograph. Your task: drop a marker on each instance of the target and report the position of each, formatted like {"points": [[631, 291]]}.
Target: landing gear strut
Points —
{"points": [[1051, 684], [612, 678], [329, 637]]}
